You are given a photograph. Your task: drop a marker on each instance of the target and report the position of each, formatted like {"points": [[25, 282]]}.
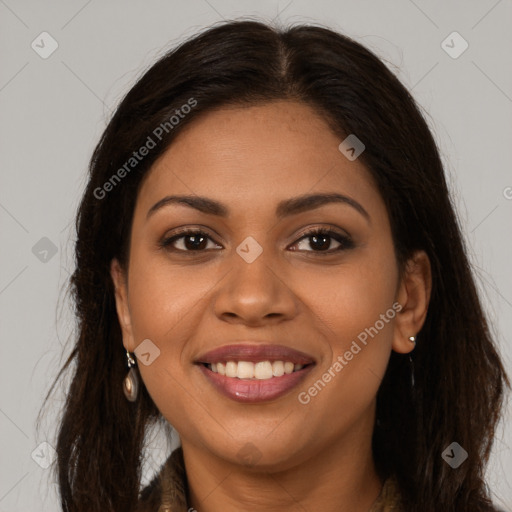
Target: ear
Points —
{"points": [[120, 280], [414, 296]]}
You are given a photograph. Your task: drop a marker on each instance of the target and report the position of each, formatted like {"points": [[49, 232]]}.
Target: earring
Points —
{"points": [[131, 381], [412, 339]]}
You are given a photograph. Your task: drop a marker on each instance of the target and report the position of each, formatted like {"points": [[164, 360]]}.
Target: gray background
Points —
{"points": [[53, 111]]}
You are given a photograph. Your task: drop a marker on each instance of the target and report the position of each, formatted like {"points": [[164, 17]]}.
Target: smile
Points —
{"points": [[262, 370], [254, 373]]}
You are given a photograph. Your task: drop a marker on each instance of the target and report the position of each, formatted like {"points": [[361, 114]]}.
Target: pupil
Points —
{"points": [[325, 244], [196, 243]]}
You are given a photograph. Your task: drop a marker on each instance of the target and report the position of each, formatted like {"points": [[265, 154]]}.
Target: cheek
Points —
{"points": [[164, 308], [161, 300], [353, 307], [351, 298]]}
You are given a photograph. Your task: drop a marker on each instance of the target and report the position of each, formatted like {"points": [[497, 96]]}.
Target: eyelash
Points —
{"points": [[344, 240]]}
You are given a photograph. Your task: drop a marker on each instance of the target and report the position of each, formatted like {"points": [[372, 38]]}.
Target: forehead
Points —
{"points": [[256, 155]]}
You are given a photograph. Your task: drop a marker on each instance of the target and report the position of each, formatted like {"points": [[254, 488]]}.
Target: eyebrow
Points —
{"points": [[284, 209]]}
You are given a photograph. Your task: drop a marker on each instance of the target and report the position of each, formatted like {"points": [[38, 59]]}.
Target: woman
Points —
{"points": [[268, 260]]}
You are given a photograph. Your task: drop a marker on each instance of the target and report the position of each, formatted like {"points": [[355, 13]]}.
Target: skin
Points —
{"points": [[318, 454]]}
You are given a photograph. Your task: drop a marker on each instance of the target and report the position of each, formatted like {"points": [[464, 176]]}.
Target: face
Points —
{"points": [[237, 267]]}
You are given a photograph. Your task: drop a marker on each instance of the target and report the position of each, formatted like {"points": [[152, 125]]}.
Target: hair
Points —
{"points": [[460, 380]]}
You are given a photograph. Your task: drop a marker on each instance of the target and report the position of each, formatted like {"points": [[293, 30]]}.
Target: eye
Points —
{"points": [[189, 240], [194, 240], [320, 240]]}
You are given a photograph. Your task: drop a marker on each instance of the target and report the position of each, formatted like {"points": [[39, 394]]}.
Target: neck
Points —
{"points": [[339, 477]]}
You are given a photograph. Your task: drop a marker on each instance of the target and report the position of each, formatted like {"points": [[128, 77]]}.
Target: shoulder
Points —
{"points": [[389, 499], [151, 496], [167, 490]]}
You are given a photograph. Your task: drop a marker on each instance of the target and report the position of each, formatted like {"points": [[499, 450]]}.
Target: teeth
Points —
{"points": [[288, 367], [231, 369], [278, 368], [245, 370], [262, 370]]}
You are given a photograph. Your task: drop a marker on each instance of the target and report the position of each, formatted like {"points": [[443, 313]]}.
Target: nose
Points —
{"points": [[254, 293]]}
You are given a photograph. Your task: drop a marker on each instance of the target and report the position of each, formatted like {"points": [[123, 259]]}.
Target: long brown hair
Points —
{"points": [[459, 378]]}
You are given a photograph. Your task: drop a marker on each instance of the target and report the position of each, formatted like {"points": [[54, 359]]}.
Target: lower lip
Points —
{"points": [[255, 390]]}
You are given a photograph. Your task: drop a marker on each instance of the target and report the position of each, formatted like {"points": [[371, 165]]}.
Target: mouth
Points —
{"points": [[254, 373]]}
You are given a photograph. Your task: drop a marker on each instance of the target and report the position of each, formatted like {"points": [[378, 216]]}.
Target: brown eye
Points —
{"points": [[187, 241], [320, 240]]}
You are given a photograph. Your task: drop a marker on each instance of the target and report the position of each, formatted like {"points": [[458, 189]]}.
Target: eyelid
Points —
{"points": [[178, 233], [345, 241], [329, 229]]}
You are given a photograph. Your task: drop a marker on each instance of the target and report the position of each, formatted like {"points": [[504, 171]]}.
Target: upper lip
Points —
{"points": [[254, 353]]}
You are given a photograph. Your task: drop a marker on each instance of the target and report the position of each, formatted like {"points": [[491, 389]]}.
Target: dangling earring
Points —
{"points": [[412, 339], [131, 381]]}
